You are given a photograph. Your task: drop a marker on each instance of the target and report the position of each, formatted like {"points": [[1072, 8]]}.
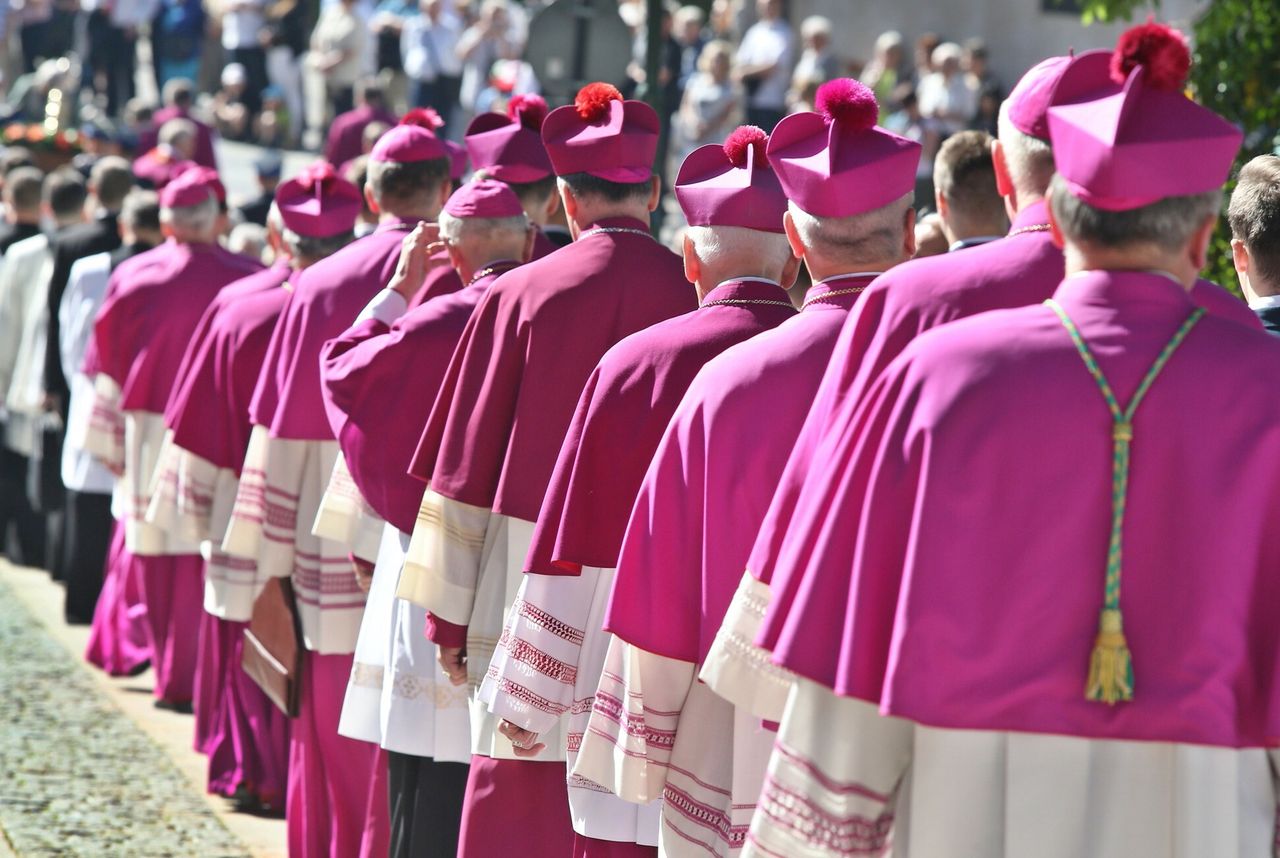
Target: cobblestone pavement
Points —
{"points": [[77, 777]]}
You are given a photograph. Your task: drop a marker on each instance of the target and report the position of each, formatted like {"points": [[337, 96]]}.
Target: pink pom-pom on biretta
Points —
{"points": [[593, 100], [1160, 50], [849, 103], [528, 110], [743, 138]]}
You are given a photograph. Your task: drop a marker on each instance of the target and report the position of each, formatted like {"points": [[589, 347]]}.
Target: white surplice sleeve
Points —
{"points": [[442, 568], [629, 738]]}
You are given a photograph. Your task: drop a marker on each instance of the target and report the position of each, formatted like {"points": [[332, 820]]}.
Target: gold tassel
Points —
{"points": [[1111, 666]]}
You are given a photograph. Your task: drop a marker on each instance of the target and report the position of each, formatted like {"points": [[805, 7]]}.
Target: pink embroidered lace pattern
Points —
{"points": [[705, 815], [802, 812], [544, 620], [526, 653]]}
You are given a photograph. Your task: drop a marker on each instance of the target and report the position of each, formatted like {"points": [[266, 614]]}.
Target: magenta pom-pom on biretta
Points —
{"points": [[604, 135], [1135, 138], [423, 117], [837, 162], [529, 110], [732, 184]]}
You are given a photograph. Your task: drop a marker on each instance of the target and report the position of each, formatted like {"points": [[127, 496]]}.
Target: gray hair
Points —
{"points": [[872, 236], [193, 222], [312, 248], [482, 228], [751, 248], [815, 25], [248, 239], [176, 130], [889, 40], [1030, 159], [1167, 224]]}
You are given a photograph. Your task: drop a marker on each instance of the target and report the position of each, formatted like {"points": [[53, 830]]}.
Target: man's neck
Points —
{"points": [[1018, 201], [407, 216], [585, 220], [710, 280]]}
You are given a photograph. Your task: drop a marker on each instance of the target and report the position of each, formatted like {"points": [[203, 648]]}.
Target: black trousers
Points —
{"points": [[254, 61], [22, 528], [82, 556], [426, 805]]}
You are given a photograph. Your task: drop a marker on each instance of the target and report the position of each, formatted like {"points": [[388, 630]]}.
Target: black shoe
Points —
{"points": [[183, 708]]}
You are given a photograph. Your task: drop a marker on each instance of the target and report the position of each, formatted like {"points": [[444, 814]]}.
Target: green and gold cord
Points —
{"points": [[1110, 666]]}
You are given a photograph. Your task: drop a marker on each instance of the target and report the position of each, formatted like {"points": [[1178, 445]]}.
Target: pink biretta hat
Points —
{"points": [[487, 198], [602, 135], [1137, 139], [408, 144], [189, 189], [429, 118], [1043, 85], [732, 185], [509, 147], [837, 162], [318, 203]]}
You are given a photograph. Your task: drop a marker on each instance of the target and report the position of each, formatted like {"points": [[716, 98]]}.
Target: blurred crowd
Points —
{"points": [[277, 72]]}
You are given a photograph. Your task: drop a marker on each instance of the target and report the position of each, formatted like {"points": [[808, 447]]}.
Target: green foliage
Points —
{"points": [[1236, 72]]}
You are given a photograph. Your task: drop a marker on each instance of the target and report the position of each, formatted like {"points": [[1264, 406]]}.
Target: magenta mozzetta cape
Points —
{"points": [[146, 323], [326, 299], [957, 543], [622, 414], [210, 417], [1023, 268], [711, 479], [379, 386], [513, 383]]}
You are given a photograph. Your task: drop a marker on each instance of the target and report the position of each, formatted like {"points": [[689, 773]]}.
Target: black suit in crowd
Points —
{"points": [[1270, 317]]}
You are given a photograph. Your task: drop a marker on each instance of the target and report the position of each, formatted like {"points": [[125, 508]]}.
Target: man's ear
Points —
{"points": [[790, 272], [446, 191], [655, 192], [370, 200], [692, 266], [552, 205], [1004, 184], [1198, 248], [909, 228], [1055, 231], [530, 238], [570, 202], [793, 236], [1240, 256]]}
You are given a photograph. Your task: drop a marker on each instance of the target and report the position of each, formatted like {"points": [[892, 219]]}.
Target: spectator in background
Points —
{"points": [[21, 198], [668, 67], [249, 239], [965, 193], [284, 35], [1254, 216], [764, 65], [273, 127], [337, 52], [884, 72], [177, 37], [722, 22], [711, 100], [34, 20], [386, 28], [480, 46], [988, 114], [429, 46], [922, 56], [908, 122], [111, 36], [232, 115], [136, 125], [179, 95], [268, 168], [174, 150], [687, 30], [976, 69], [818, 63], [947, 97], [242, 23], [346, 134]]}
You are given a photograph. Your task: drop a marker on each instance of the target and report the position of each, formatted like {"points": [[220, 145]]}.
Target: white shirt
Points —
{"points": [[1265, 302], [765, 43], [86, 287], [431, 49], [945, 99], [25, 272], [240, 26]]}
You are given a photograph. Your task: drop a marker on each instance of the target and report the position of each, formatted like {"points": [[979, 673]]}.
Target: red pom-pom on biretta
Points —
{"points": [[1160, 50], [593, 100], [746, 137], [848, 103], [528, 110], [423, 117], [317, 173]]}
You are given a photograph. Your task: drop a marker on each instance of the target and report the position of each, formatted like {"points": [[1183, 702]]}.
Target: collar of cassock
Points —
{"points": [[747, 290], [1124, 288], [840, 290]]}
